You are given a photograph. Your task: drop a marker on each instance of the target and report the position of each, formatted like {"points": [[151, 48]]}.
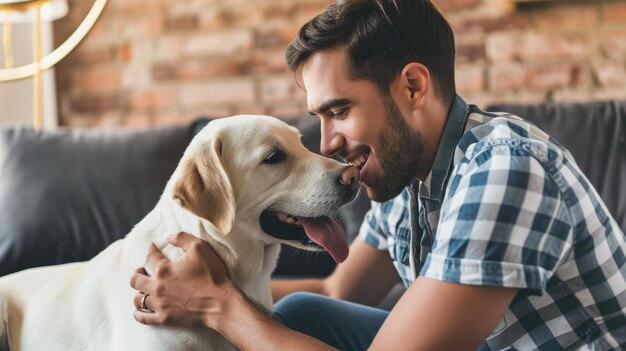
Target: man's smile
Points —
{"points": [[357, 158], [359, 161]]}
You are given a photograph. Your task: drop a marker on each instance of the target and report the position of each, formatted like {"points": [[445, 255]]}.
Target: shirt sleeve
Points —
{"points": [[371, 230], [503, 223]]}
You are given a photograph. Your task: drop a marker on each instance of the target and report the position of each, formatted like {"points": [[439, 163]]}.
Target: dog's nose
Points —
{"points": [[349, 175]]}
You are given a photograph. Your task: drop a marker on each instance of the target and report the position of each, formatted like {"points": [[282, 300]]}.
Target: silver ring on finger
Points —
{"points": [[142, 305]]}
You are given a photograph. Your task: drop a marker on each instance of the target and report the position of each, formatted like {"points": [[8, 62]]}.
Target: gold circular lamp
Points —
{"points": [[36, 11]]}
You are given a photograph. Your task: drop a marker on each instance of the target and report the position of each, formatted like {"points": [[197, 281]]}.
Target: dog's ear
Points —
{"points": [[205, 190]]}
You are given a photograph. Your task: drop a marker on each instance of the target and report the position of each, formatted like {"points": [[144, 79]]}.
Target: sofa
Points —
{"points": [[66, 194]]}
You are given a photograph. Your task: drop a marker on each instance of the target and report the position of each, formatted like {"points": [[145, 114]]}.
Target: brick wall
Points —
{"points": [[167, 61]]}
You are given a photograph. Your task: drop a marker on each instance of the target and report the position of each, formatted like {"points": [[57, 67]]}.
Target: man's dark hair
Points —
{"points": [[380, 38]]}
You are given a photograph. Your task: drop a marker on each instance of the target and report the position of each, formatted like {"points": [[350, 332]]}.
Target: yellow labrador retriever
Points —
{"points": [[245, 184]]}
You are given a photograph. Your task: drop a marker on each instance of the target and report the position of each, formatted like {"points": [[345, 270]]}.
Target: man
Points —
{"points": [[499, 237]]}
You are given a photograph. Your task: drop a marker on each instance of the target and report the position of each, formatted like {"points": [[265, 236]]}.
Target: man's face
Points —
{"points": [[363, 126]]}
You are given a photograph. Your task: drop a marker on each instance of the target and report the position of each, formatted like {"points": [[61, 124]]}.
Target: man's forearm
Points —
{"points": [[250, 328], [283, 287]]}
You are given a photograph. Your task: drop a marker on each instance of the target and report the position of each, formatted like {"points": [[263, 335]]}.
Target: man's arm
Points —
{"points": [[365, 277], [436, 315], [194, 291]]}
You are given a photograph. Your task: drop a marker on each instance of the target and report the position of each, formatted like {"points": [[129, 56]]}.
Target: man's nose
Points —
{"points": [[330, 141]]}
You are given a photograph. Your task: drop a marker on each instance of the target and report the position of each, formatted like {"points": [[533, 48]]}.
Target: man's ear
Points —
{"points": [[415, 81], [205, 190]]}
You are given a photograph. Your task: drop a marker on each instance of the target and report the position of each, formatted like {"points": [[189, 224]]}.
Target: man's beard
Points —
{"points": [[399, 152]]}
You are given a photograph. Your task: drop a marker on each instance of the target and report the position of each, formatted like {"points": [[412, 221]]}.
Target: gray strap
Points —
{"points": [[4, 326]]}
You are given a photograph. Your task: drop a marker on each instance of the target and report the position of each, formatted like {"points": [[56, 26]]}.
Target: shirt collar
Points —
{"points": [[433, 186]]}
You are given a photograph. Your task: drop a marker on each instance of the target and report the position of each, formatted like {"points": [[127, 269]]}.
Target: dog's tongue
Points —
{"points": [[328, 233]]}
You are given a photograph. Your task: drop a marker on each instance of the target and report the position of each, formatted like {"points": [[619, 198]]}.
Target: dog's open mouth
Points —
{"points": [[324, 232]]}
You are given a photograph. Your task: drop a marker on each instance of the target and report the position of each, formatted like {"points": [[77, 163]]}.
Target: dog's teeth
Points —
{"points": [[289, 219]]}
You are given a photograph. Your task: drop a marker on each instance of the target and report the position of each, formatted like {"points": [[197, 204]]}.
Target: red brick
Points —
{"points": [[522, 97], [99, 78], [133, 6], [174, 118], [125, 52], [214, 18], [279, 11], [218, 43], [246, 16], [487, 24], [614, 43], [218, 92], [614, 13], [569, 15], [141, 26], [111, 119], [137, 76], [277, 89], [276, 37], [610, 94], [95, 56], [208, 68], [168, 47], [287, 110], [555, 75], [153, 99], [502, 46], [95, 103], [309, 10], [79, 120], [137, 120], [506, 76], [186, 22], [264, 62], [535, 45], [208, 111], [197, 69], [470, 49], [249, 109], [470, 78], [164, 71], [611, 73]]}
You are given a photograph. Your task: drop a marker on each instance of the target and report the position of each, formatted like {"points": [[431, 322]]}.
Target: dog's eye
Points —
{"points": [[275, 157]]}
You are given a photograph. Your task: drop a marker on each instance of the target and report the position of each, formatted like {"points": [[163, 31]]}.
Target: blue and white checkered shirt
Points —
{"points": [[505, 205]]}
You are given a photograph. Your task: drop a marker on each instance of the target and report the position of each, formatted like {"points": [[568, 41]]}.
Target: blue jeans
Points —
{"points": [[345, 325]]}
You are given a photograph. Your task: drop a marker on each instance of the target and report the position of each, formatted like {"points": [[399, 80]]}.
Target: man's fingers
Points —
{"points": [[147, 318], [140, 280], [185, 241], [155, 257], [145, 299]]}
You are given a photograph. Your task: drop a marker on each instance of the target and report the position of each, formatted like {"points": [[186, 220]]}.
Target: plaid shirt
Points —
{"points": [[505, 205]]}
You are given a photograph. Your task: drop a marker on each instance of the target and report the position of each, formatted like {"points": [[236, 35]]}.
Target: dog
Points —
{"points": [[245, 184]]}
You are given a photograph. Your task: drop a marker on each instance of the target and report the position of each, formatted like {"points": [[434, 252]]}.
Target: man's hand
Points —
{"points": [[189, 292]]}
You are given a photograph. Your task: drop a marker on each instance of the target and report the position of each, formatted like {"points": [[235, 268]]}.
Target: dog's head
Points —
{"points": [[254, 173]]}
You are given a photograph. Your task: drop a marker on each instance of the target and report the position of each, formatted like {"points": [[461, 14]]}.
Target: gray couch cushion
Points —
{"points": [[65, 195]]}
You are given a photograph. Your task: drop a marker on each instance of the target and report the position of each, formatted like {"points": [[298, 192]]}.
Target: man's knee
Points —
{"points": [[292, 308]]}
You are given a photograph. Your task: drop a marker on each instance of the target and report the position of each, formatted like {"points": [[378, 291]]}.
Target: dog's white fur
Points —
{"points": [[217, 193]]}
